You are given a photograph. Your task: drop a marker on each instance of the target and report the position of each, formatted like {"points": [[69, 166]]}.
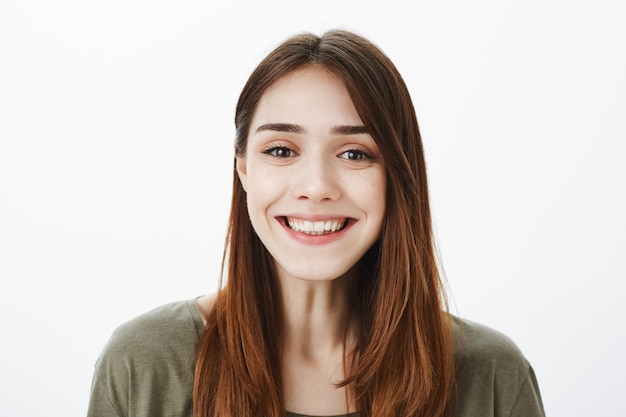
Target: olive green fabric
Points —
{"points": [[146, 369]]}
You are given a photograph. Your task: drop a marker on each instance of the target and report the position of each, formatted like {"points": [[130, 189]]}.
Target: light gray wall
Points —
{"points": [[116, 156]]}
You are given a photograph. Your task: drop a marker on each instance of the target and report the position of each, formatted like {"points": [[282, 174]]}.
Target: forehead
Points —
{"points": [[307, 95], [306, 75]]}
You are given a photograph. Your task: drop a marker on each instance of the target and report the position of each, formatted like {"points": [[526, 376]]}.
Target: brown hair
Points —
{"points": [[404, 360]]}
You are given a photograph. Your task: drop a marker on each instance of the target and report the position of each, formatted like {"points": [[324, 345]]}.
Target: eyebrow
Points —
{"points": [[294, 128], [282, 127], [349, 130]]}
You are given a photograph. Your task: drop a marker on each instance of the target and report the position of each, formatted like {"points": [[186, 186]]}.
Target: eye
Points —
{"points": [[355, 155], [279, 151]]}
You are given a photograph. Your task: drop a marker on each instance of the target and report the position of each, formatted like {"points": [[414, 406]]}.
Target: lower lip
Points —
{"points": [[323, 239]]}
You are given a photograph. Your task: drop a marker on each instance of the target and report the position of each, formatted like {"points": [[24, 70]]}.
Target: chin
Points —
{"points": [[312, 273]]}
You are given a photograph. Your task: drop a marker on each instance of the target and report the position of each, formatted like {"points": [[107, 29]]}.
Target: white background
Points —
{"points": [[116, 157]]}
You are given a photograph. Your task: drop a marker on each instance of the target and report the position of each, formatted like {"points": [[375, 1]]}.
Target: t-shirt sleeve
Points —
{"points": [[110, 384], [100, 404], [494, 379], [528, 402]]}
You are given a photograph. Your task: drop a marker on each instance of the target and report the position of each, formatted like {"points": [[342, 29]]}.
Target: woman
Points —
{"points": [[332, 302]]}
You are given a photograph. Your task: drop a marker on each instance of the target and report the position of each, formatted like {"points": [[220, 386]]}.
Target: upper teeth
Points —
{"points": [[315, 228]]}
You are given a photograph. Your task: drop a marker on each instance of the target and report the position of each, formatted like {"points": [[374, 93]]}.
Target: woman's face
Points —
{"points": [[314, 178]]}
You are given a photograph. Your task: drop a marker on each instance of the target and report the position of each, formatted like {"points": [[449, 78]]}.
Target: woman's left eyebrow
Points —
{"points": [[348, 130]]}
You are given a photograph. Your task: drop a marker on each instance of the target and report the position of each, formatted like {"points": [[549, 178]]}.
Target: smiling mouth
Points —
{"points": [[324, 227]]}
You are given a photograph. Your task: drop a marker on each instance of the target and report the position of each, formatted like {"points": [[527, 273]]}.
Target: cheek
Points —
{"points": [[378, 205], [262, 190], [374, 192]]}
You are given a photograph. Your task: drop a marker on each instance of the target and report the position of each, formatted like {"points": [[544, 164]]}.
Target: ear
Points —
{"points": [[240, 165]]}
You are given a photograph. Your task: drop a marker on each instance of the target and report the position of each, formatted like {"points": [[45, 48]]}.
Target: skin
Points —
{"points": [[310, 159]]}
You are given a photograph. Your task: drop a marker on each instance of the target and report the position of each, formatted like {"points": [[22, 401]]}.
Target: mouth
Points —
{"points": [[322, 227]]}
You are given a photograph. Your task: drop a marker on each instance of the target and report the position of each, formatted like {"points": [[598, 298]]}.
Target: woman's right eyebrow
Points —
{"points": [[282, 127]]}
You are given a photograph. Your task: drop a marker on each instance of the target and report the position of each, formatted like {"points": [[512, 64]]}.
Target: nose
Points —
{"points": [[316, 179]]}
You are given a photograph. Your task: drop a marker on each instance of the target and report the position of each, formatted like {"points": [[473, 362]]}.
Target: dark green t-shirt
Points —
{"points": [[147, 367]]}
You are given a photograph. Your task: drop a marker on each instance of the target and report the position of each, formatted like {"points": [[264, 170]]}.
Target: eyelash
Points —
{"points": [[357, 153], [361, 154], [274, 149]]}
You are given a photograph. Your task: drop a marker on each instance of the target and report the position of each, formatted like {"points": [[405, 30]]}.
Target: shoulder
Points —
{"points": [[167, 332], [150, 354], [493, 377], [477, 342], [157, 327]]}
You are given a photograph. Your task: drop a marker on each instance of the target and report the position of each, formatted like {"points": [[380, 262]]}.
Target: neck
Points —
{"points": [[317, 316], [318, 338]]}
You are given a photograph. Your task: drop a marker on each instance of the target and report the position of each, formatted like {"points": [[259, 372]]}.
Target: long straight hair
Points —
{"points": [[403, 362]]}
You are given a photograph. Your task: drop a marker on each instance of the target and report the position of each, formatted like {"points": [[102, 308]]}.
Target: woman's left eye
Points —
{"points": [[355, 155]]}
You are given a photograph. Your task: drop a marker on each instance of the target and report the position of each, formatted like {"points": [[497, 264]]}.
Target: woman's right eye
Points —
{"points": [[279, 151]]}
